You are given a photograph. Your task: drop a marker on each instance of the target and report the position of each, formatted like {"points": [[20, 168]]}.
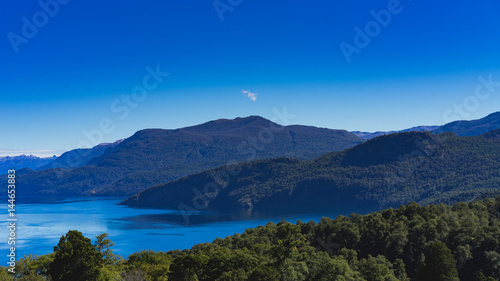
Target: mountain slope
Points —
{"points": [[78, 157], [460, 128], [23, 161], [385, 171], [155, 156], [473, 127]]}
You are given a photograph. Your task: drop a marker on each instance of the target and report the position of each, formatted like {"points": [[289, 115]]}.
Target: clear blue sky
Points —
{"points": [[68, 74]]}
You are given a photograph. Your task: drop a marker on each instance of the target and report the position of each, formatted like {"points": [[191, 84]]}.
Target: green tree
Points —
{"points": [[153, 265], [289, 239], [75, 259], [185, 267], [324, 268], [481, 277], [32, 266], [103, 244], [439, 264], [399, 270], [4, 275], [376, 269], [264, 273]]}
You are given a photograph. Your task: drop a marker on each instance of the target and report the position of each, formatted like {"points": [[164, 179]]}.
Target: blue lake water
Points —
{"points": [[41, 224]]}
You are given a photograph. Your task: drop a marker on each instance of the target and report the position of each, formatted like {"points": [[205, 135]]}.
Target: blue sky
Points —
{"points": [[67, 76]]}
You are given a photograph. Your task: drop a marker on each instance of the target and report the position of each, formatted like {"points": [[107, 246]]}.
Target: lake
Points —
{"points": [[42, 223]]}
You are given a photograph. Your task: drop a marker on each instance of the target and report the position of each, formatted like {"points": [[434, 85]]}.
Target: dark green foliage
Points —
{"points": [[75, 259], [34, 267], [4, 274], [412, 242], [186, 267], [264, 273], [376, 268], [149, 264], [156, 156], [439, 264], [481, 277], [383, 172]]}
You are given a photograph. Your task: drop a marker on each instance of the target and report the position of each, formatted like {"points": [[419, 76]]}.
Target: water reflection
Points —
{"points": [[42, 222]]}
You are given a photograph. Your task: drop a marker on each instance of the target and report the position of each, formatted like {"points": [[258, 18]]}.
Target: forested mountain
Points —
{"points": [[155, 156], [473, 127], [382, 172], [432, 243], [23, 161], [79, 157]]}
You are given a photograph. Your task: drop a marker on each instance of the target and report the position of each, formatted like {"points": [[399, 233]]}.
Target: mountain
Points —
{"points": [[23, 161], [460, 128], [24, 171], [385, 171], [367, 135], [155, 156], [473, 127], [78, 157]]}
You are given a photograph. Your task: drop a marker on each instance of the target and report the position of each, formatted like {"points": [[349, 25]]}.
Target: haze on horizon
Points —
{"points": [[427, 63]]}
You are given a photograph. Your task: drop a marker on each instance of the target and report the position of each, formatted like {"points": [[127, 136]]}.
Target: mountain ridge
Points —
{"points": [[460, 127], [78, 157], [23, 161], [472, 127], [154, 156], [426, 168], [368, 135]]}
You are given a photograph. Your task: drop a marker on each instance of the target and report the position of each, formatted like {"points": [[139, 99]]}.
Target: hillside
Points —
{"points": [[78, 157], [408, 243], [382, 172], [155, 156], [473, 127], [23, 161]]}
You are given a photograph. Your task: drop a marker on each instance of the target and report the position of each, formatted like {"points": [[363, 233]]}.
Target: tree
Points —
{"points": [[75, 259], [32, 267], [399, 270], [289, 239], [376, 268], [264, 273], [153, 265], [4, 275], [481, 277], [103, 244], [185, 267], [323, 268], [439, 264]]}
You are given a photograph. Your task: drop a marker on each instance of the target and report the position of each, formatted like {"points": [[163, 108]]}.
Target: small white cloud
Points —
{"points": [[250, 95]]}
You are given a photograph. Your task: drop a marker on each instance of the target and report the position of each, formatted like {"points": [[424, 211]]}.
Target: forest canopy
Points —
{"points": [[412, 242]]}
